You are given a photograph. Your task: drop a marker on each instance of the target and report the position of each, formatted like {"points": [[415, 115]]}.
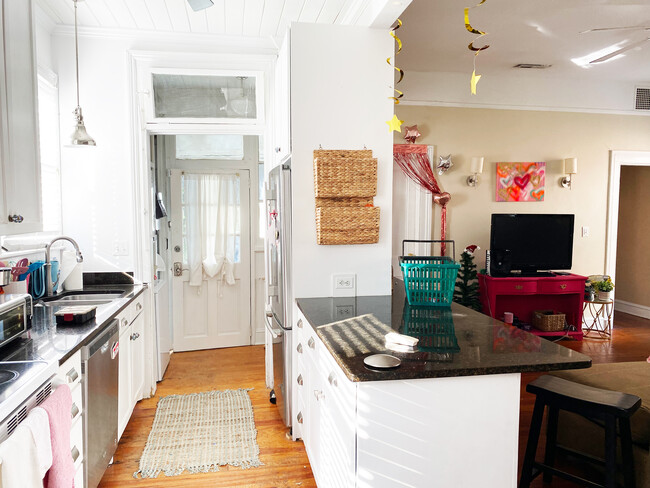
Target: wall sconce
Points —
{"points": [[570, 168], [476, 168]]}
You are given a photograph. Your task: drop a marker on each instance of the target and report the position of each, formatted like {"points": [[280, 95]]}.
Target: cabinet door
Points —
{"points": [[20, 153], [137, 358], [125, 404], [282, 125]]}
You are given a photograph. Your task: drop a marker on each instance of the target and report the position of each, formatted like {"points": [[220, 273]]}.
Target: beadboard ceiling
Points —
{"points": [[250, 18]]}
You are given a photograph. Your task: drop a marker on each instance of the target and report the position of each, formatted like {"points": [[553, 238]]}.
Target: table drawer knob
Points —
{"points": [[519, 287], [563, 286]]}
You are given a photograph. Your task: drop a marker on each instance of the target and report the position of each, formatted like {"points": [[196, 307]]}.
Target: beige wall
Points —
{"points": [[632, 258], [517, 135]]}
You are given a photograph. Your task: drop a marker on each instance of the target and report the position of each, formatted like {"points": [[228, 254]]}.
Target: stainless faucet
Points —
{"points": [[49, 285]]}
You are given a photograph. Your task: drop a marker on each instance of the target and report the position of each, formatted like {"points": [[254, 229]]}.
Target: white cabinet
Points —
{"points": [[132, 365], [70, 374], [20, 180], [282, 118], [326, 401]]}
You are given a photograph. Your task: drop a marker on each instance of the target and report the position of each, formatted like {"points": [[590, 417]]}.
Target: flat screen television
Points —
{"points": [[536, 242]]}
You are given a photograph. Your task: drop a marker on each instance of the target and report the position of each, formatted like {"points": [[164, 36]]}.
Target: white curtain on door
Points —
{"points": [[211, 208]]}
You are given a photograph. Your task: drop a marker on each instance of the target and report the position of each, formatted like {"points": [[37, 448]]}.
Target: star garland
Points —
{"points": [[475, 78], [395, 123]]}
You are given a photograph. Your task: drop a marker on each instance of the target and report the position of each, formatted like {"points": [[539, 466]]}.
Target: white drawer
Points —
{"points": [[79, 477], [70, 370], [76, 444], [77, 404], [136, 306]]}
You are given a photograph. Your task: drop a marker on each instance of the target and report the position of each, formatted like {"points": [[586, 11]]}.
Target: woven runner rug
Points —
{"points": [[200, 432]]}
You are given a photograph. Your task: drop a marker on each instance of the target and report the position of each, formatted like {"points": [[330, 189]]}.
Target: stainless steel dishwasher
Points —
{"points": [[100, 371]]}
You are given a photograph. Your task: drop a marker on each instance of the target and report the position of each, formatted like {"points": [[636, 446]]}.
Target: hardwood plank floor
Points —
{"points": [[285, 462]]}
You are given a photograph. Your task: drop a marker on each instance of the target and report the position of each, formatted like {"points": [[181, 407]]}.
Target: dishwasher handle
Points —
{"points": [[108, 338]]}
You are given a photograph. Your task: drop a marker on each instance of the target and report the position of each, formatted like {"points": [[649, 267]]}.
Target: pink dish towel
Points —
{"points": [[58, 406]]}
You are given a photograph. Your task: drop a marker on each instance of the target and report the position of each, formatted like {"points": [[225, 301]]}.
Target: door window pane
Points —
{"points": [[221, 146], [204, 96]]}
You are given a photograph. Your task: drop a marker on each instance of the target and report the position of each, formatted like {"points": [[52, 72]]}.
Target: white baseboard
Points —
{"points": [[259, 336], [632, 309]]}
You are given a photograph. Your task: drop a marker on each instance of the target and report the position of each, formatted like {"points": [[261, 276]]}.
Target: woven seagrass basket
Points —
{"points": [[347, 225], [548, 320], [345, 174]]}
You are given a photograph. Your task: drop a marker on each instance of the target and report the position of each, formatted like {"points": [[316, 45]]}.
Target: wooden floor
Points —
{"points": [[285, 462]]}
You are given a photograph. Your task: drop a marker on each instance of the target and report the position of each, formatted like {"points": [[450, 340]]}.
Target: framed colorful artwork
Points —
{"points": [[520, 182]]}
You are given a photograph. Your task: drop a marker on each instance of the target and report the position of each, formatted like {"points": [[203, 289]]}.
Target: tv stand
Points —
{"points": [[522, 295]]}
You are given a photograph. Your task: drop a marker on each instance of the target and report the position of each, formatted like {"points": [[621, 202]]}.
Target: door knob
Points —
{"points": [[178, 269]]}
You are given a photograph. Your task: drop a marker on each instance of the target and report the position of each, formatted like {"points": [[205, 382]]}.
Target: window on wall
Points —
{"points": [[48, 120], [212, 146]]}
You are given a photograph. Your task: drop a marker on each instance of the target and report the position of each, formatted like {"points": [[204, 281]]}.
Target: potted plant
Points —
{"points": [[604, 289]]}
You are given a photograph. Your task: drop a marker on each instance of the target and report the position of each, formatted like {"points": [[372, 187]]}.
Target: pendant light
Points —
{"points": [[79, 137]]}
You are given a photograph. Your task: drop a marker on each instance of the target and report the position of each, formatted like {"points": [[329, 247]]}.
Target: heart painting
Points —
{"points": [[520, 182]]}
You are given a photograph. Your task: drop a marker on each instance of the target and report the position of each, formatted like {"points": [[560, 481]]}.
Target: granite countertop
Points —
{"points": [[454, 341], [51, 342]]}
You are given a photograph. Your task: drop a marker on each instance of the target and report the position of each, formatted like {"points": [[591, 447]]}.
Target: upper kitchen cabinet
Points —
{"points": [[282, 118], [20, 203]]}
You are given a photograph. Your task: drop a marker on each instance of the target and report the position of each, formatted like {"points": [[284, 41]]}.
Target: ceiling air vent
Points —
{"points": [[642, 100], [531, 66]]}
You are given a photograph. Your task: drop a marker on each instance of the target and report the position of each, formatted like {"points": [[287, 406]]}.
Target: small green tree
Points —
{"points": [[466, 291]]}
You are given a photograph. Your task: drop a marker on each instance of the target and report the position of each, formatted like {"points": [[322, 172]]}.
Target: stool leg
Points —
{"points": [[551, 441], [610, 452], [531, 446], [626, 448]]}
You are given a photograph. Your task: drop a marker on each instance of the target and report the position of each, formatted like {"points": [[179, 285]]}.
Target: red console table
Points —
{"points": [[521, 296]]}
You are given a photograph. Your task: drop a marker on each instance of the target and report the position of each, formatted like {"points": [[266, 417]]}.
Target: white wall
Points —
{"points": [[340, 84]]}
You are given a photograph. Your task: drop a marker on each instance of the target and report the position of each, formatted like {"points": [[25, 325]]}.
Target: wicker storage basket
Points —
{"points": [[342, 153], [347, 225], [548, 320], [344, 202], [351, 176]]}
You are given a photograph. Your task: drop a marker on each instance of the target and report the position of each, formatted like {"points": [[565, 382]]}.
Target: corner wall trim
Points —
{"points": [[632, 309]]}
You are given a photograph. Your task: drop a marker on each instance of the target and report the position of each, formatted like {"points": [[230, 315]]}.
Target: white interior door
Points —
{"points": [[215, 313]]}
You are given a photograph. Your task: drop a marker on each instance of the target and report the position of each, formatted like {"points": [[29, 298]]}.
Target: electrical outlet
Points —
{"points": [[585, 231], [120, 248], [344, 285]]}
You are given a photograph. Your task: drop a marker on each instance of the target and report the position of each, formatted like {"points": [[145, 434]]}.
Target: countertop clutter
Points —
{"points": [[454, 341], [51, 342]]}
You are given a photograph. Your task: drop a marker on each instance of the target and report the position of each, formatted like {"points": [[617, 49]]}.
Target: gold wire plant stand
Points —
{"points": [[597, 324]]}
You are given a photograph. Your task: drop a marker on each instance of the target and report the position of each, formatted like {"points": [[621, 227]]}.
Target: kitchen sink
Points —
{"points": [[89, 298]]}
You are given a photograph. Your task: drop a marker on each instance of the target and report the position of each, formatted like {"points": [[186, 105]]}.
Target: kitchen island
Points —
{"points": [[448, 416]]}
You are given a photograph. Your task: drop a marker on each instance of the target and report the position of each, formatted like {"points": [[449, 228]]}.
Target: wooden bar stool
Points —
{"points": [[603, 406]]}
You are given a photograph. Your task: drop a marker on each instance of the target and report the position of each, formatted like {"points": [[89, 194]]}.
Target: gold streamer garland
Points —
{"points": [[475, 78], [394, 124]]}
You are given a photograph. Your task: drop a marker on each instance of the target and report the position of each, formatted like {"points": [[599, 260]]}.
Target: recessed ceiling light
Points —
{"points": [[532, 66]]}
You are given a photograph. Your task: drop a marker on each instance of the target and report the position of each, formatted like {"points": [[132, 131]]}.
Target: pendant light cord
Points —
{"points": [[76, 49]]}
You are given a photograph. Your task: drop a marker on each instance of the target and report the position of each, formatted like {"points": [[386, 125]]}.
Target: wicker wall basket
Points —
{"points": [[338, 176], [347, 225], [548, 320], [344, 202]]}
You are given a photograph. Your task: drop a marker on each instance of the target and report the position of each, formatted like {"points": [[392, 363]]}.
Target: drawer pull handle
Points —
{"points": [[299, 417], [563, 286], [519, 287], [75, 454], [15, 219], [332, 379], [299, 379], [319, 395], [299, 348], [138, 306], [125, 322], [74, 411], [72, 375], [311, 343], [300, 324]]}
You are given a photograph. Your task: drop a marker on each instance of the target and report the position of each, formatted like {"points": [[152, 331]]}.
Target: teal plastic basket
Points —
{"points": [[429, 280]]}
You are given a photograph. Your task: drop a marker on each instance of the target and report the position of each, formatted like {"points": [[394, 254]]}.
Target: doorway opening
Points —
{"points": [[626, 232]]}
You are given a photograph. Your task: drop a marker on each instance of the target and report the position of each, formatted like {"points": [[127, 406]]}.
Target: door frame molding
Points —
{"points": [[140, 64], [618, 159]]}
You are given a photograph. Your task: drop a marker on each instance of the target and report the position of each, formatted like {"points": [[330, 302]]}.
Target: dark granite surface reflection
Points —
{"points": [[455, 341], [51, 342]]}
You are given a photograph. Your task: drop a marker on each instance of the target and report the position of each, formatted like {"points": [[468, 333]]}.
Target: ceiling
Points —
{"points": [[526, 31], [250, 18]]}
